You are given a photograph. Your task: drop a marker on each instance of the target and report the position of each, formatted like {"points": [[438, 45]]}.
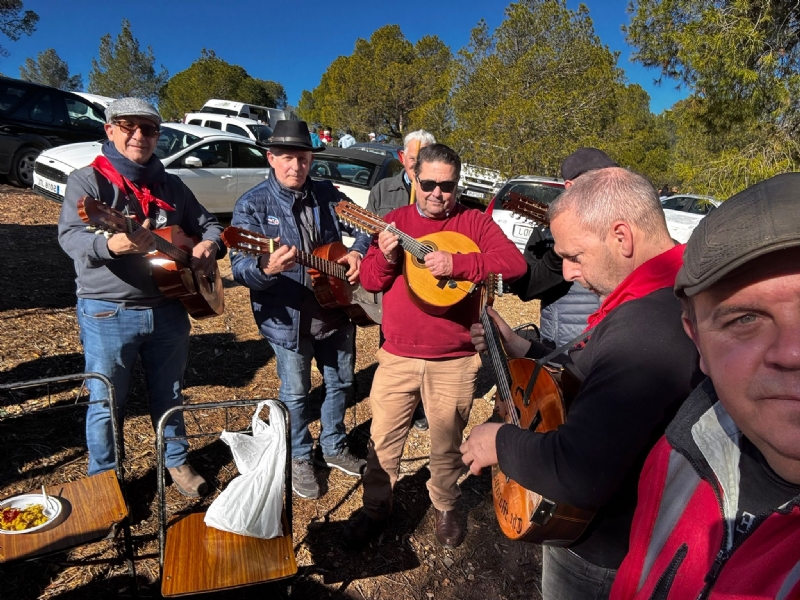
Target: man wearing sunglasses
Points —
{"points": [[121, 312], [426, 358]]}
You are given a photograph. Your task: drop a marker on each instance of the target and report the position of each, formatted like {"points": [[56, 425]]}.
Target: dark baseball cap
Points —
{"points": [[763, 218], [583, 160]]}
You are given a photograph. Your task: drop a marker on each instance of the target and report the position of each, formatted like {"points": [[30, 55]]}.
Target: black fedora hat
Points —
{"points": [[292, 134]]}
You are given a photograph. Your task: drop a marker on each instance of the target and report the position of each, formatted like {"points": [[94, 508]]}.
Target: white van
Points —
{"points": [[262, 114], [247, 127]]}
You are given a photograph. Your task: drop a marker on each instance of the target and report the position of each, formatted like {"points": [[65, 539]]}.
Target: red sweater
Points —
{"points": [[413, 333]]}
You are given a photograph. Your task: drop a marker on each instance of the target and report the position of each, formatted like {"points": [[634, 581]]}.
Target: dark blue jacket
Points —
{"points": [[276, 299]]}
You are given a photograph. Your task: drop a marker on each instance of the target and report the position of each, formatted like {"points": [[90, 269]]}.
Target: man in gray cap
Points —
{"points": [[299, 212], [121, 311], [718, 512]]}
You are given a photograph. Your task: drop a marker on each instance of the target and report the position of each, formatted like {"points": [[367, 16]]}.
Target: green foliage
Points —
{"points": [[48, 69], [211, 77], [124, 70], [534, 90], [14, 23], [387, 85]]}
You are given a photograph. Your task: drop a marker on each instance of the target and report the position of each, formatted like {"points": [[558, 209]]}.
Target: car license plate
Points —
{"points": [[474, 194], [522, 232], [50, 186]]}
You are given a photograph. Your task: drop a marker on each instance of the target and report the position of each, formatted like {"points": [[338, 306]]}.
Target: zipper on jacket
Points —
{"points": [[664, 583], [723, 556]]}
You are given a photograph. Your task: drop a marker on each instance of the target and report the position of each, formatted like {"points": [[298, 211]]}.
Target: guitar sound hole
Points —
{"points": [[429, 247]]}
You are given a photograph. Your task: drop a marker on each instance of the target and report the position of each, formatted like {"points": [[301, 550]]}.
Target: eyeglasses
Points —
{"points": [[428, 185], [129, 128]]}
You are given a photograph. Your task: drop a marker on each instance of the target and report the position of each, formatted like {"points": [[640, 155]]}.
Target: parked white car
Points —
{"points": [[218, 167], [684, 212], [258, 132], [478, 183]]}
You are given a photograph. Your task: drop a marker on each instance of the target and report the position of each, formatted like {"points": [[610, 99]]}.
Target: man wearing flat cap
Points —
{"points": [[565, 305], [121, 312], [635, 370], [718, 514], [299, 212]]}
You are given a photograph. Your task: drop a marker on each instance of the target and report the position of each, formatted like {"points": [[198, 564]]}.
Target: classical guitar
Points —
{"points": [[527, 208], [433, 295], [201, 294], [523, 514], [328, 278]]}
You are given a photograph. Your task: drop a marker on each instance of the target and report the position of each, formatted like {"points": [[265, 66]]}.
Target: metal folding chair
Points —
{"points": [[194, 558], [91, 507]]}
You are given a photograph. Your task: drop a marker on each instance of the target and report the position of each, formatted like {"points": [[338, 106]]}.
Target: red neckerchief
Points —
{"points": [[103, 166], [658, 272]]}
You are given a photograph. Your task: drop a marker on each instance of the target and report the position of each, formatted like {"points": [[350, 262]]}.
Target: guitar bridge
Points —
{"points": [[544, 512]]}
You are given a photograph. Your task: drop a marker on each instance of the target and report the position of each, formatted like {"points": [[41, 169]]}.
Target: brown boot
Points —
{"points": [[448, 529], [188, 482]]}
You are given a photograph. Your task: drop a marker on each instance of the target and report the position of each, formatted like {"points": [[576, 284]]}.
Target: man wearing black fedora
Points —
{"points": [[299, 211]]}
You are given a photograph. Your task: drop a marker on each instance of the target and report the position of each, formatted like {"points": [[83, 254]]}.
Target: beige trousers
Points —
{"points": [[446, 387]]}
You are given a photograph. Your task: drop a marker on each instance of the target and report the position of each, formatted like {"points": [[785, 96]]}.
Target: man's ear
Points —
{"points": [[402, 157], [109, 128], [690, 327], [623, 236]]}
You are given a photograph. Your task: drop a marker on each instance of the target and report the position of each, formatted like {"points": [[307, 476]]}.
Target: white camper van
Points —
{"points": [[262, 114], [256, 131]]}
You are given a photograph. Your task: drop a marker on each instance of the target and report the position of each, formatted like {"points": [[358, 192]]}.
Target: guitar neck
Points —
{"points": [[328, 267], [409, 244], [163, 245], [498, 358]]}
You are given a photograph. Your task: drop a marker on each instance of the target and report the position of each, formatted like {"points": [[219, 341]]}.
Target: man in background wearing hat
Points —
{"points": [[121, 312], [636, 369], [566, 305], [719, 497], [299, 211]]}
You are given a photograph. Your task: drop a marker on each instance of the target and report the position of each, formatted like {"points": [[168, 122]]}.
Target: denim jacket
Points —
{"points": [[276, 299]]}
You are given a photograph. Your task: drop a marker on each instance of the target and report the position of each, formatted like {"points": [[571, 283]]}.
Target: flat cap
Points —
{"points": [[583, 160], [763, 218], [132, 107]]}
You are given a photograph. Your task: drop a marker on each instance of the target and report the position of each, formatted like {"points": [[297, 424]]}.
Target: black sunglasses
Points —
{"points": [[128, 128], [428, 185]]}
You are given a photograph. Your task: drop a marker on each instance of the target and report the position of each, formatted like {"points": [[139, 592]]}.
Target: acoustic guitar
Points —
{"points": [[431, 294], [528, 208], [523, 514], [328, 278], [200, 293]]}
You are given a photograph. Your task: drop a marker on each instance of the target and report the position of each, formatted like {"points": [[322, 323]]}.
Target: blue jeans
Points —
{"points": [[334, 357], [112, 338], [567, 576]]}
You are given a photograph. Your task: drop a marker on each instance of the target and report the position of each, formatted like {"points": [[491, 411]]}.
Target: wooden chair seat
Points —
{"points": [[90, 507], [198, 558]]}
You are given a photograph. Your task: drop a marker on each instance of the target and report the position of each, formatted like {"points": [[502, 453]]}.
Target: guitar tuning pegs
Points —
{"points": [[91, 228], [107, 234]]}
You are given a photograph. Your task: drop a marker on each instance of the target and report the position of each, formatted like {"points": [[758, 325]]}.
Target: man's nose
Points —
{"points": [[570, 271], [785, 348]]}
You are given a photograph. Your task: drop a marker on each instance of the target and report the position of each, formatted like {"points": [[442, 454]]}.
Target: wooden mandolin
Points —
{"points": [[523, 514], [328, 278], [432, 294], [200, 293]]}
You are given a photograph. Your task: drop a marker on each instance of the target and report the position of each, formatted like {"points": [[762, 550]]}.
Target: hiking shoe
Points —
{"points": [[188, 481], [344, 461], [421, 424], [304, 482], [361, 530]]}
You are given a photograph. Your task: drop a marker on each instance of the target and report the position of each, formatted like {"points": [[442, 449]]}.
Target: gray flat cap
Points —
{"points": [[132, 107], [763, 218]]}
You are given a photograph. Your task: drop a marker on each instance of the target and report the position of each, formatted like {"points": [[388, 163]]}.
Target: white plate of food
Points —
{"points": [[28, 513]]}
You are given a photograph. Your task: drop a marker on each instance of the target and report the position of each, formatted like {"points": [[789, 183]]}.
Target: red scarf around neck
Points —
{"points": [[103, 166], [658, 272]]}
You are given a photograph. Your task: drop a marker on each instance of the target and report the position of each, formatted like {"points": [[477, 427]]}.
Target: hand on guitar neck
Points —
{"points": [[284, 259], [439, 263], [515, 345], [141, 241]]}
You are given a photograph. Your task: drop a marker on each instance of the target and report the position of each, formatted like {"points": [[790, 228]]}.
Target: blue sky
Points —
{"points": [[289, 42]]}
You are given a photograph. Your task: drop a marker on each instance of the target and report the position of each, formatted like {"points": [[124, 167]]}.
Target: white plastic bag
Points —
{"points": [[252, 503]]}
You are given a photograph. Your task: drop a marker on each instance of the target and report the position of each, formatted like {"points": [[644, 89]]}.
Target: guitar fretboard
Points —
{"points": [[307, 259], [163, 245]]}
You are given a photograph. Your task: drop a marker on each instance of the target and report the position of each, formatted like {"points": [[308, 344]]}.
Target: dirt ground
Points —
{"points": [[227, 360]]}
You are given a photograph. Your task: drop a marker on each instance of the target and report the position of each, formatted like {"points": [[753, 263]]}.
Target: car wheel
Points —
{"points": [[21, 173]]}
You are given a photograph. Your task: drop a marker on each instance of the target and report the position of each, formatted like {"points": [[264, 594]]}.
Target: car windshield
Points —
{"points": [[262, 132], [172, 140], [343, 170], [536, 191]]}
